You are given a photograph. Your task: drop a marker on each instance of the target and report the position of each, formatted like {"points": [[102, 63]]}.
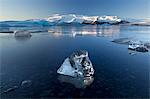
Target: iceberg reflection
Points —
{"points": [[23, 39], [78, 82]]}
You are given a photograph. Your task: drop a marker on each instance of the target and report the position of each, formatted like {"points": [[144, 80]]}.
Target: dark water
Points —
{"points": [[117, 73]]}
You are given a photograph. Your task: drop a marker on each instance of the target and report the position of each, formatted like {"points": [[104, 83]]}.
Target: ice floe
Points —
{"points": [[22, 33], [138, 46], [77, 65], [135, 45], [26, 83]]}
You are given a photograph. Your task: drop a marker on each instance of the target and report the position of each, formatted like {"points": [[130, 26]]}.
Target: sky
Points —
{"points": [[34, 9]]}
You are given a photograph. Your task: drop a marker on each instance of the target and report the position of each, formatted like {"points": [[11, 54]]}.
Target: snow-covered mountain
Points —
{"points": [[69, 19]]}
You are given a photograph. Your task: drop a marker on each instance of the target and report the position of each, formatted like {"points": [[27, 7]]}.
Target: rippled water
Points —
{"points": [[31, 63]]}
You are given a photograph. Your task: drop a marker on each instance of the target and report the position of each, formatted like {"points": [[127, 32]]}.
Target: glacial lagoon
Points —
{"points": [[29, 64]]}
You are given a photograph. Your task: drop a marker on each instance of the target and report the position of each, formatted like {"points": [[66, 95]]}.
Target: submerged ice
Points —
{"points": [[78, 82]]}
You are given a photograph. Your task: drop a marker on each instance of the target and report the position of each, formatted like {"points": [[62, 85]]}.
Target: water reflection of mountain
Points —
{"points": [[93, 30]]}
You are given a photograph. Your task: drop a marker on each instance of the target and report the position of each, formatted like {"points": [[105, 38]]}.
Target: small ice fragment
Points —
{"points": [[26, 83], [11, 89]]}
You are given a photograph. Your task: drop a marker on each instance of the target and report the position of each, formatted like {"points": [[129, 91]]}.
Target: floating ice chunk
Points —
{"points": [[26, 83], [122, 41], [135, 45], [11, 89], [138, 46], [77, 65], [22, 33]]}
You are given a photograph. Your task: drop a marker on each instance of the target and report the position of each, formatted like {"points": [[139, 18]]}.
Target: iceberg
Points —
{"points": [[26, 83], [22, 33], [137, 46], [134, 45], [77, 65]]}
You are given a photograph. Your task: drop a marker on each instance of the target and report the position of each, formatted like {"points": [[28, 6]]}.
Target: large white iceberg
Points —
{"points": [[77, 65]]}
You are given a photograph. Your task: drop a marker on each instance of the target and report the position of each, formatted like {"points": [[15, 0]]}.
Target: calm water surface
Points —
{"points": [[117, 73]]}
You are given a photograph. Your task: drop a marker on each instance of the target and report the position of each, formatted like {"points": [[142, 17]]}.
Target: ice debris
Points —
{"points": [[26, 83], [77, 65], [11, 89], [135, 45]]}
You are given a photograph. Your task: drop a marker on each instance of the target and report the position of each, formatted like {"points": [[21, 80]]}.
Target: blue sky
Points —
{"points": [[29, 9]]}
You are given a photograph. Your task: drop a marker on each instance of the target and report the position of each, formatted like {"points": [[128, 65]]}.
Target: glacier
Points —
{"points": [[65, 19]]}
